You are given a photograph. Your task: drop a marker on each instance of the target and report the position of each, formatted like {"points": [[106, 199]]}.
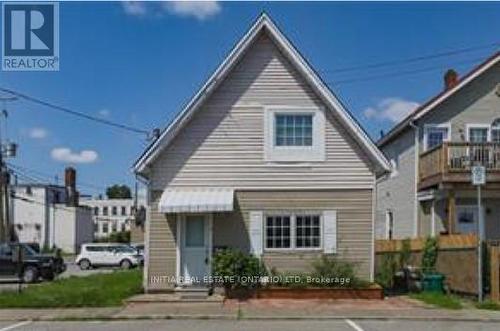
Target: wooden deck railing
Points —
{"points": [[458, 157]]}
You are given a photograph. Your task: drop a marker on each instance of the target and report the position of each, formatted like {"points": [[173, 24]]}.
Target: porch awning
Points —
{"points": [[196, 200]]}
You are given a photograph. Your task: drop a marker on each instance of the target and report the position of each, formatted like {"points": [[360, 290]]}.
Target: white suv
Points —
{"points": [[108, 254]]}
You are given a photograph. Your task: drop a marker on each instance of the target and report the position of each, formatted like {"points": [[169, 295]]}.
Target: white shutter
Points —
{"points": [[256, 232], [330, 231]]}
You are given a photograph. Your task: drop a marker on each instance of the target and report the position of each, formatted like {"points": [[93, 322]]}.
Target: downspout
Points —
{"points": [[145, 276], [416, 130]]}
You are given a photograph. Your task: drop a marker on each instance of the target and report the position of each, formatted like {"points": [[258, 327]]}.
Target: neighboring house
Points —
{"points": [[111, 215], [264, 159], [114, 215], [433, 150], [50, 216]]}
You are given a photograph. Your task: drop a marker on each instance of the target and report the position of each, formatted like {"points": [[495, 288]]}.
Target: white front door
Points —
{"points": [[195, 249]]}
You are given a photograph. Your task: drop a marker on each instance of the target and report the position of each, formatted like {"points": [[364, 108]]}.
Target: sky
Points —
{"points": [[140, 63]]}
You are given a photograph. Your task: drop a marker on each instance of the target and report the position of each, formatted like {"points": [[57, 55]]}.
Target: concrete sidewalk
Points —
{"points": [[389, 309]]}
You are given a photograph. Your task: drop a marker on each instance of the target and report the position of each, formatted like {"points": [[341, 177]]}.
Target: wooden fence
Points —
{"points": [[457, 259], [444, 242], [495, 272]]}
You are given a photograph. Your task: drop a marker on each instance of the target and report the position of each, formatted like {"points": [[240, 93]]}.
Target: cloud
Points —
{"points": [[391, 109], [63, 154], [200, 10], [38, 133], [135, 8], [104, 112]]}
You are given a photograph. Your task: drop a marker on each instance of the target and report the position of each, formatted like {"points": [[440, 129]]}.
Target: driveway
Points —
{"points": [[226, 325]]}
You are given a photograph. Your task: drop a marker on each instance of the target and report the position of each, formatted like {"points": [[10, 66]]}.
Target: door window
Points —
{"points": [[195, 232]]}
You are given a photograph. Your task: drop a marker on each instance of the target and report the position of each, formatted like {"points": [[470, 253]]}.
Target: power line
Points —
{"points": [[397, 74], [73, 112], [46, 176], [413, 59]]}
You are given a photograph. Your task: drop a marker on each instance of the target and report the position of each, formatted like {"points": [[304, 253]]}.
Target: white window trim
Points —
{"points": [[316, 152], [468, 127], [428, 127], [293, 229]]}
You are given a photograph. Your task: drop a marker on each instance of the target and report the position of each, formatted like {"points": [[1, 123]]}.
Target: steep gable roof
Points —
{"points": [[296, 59], [438, 99]]}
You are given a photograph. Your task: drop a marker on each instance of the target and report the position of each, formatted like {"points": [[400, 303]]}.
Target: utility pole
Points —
{"points": [[6, 150]]}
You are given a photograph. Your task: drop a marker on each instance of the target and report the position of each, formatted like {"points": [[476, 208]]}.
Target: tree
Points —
{"points": [[119, 192]]}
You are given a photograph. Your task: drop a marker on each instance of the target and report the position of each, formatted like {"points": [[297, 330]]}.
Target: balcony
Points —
{"points": [[451, 163]]}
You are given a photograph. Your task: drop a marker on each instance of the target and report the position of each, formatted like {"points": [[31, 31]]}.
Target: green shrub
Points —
{"points": [[332, 269], [116, 237], [429, 255], [405, 253], [238, 270], [386, 271]]}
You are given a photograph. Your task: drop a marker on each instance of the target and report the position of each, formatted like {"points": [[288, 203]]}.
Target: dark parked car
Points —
{"points": [[20, 260]]}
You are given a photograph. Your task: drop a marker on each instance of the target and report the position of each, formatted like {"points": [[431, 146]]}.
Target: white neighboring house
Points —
{"points": [[41, 213], [111, 215]]}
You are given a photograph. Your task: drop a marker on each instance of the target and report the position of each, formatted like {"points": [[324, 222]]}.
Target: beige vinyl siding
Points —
{"points": [[162, 254], [223, 144], [230, 230], [354, 224]]}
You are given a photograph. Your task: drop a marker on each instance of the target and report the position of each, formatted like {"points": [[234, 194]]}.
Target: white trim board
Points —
{"points": [[263, 23]]}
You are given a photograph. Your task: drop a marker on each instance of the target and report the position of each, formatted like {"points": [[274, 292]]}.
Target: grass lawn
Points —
{"points": [[438, 299], [100, 290], [488, 304]]}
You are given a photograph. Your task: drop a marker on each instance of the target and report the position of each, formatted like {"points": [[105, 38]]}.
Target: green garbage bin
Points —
{"points": [[433, 282]]}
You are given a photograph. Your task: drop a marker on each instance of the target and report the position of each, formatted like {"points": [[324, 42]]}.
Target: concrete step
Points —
{"points": [[193, 293]]}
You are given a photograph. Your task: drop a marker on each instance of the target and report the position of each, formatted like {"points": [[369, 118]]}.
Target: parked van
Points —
{"points": [[108, 254]]}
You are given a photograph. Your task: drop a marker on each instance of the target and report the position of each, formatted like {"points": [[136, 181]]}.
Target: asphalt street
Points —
{"points": [[257, 325]]}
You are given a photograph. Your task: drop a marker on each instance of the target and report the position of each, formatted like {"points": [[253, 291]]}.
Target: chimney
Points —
{"points": [[70, 184], [450, 79]]}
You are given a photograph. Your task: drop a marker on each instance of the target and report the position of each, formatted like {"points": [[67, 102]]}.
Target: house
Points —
{"points": [[433, 150], [264, 159], [50, 215], [115, 215], [111, 215]]}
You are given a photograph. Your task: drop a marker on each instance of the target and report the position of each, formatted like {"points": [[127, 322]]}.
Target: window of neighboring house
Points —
{"points": [[293, 231], [495, 131], [105, 211], [467, 218], [123, 227], [124, 210], [96, 211], [389, 220], [96, 227], [478, 134], [293, 130], [294, 134], [114, 210], [114, 228], [105, 228], [435, 135]]}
